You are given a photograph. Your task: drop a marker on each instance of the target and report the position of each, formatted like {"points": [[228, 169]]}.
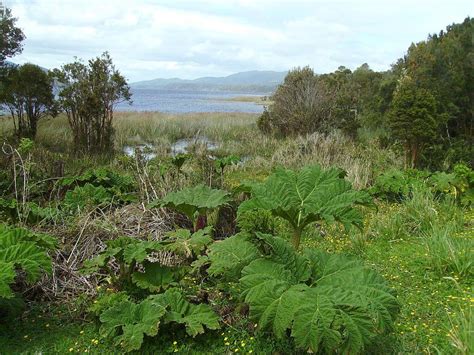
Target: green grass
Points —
{"points": [[56, 331], [430, 301]]}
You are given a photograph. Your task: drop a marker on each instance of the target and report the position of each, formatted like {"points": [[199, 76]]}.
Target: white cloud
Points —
{"points": [[189, 38]]}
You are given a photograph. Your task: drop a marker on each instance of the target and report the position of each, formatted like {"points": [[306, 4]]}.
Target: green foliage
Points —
{"points": [[440, 64], [301, 105], [97, 187], [101, 177], [106, 300], [190, 245], [25, 251], [127, 252], [155, 277], [194, 201], [396, 185], [88, 95], [86, 197], [28, 94], [128, 322], [133, 321], [307, 196], [139, 262], [30, 212], [330, 303], [447, 253], [12, 36], [179, 159], [413, 119], [180, 311], [229, 160], [257, 221], [229, 256]]}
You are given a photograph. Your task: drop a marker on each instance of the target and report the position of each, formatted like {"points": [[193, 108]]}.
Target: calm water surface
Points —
{"points": [[177, 101]]}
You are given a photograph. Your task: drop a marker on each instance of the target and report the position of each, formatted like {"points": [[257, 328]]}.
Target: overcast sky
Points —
{"points": [[191, 38]]}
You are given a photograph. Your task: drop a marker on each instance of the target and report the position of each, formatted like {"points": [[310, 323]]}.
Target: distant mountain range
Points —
{"points": [[255, 81]]}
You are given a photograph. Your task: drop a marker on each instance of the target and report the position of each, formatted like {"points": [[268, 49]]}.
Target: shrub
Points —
{"points": [[88, 94], [302, 104]]}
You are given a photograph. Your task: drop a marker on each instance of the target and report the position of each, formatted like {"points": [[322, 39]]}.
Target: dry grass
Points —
{"points": [[234, 133]]}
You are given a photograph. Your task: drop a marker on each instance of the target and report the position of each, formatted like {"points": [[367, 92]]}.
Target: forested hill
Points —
{"points": [[250, 81]]}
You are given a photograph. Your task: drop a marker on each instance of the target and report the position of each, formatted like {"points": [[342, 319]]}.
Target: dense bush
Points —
{"points": [[302, 104], [396, 185]]}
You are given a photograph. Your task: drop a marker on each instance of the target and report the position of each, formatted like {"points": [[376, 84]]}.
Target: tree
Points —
{"points": [[413, 119], [302, 104], [443, 64], [28, 94], [12, 37], [89, 96]]}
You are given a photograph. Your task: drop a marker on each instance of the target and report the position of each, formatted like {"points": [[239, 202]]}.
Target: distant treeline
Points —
{"points": [[424, 103]]}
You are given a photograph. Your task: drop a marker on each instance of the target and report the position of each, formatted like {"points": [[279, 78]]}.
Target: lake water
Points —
{"points": [[177, 101]]}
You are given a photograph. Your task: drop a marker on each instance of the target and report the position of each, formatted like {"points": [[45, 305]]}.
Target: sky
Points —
{"points": [[150, 39]]}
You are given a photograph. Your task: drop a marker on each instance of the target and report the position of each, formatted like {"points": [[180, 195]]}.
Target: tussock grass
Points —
{"points": [[449, 253]]}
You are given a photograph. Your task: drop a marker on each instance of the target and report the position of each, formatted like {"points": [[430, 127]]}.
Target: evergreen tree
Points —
{"points": [[413, 119]]}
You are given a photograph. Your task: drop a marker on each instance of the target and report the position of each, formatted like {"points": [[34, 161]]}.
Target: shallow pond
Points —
{"points": [[182, 146]]}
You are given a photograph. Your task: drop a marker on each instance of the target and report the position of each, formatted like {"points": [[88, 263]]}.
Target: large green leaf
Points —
{"points": [[306, 196], [231, 255], [155, 277], [139, 251], [194, 317], [32, 260], [192, 200], [331, 303], [313, 325], [187, 244], [279, 250], [349, 282], [22, 249], [7, 276], [133, 321]]}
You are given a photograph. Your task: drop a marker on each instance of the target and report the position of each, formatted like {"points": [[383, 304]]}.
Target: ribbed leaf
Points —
{"points": [[312, 325], [280, 251], [200, 198], [155, 277], [340, 307], [351, 283], [184, 243], [231, 255], [31, 259], [194, 317], [309, 195], [133, 320], [7, 276]]}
